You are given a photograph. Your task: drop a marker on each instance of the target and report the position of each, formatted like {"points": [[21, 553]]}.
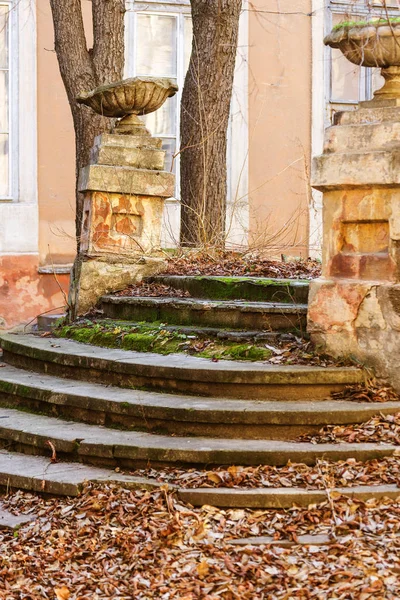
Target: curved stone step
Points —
{"points": [[255, 289], [37, 474], [234, 314], [187, 374], [94, 444], [177, 414]]}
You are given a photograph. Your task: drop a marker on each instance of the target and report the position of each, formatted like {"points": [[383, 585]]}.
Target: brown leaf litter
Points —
{"points": [[344, 473], [230, 264], [122, 544]]}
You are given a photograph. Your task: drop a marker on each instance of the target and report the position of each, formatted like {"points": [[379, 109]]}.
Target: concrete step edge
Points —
{"points": [[35, 473], [174, 366], [205, 304], [89, 442], [56, 391]]}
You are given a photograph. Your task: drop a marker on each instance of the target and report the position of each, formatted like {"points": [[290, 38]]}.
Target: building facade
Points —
{"points": [[287, 88]]}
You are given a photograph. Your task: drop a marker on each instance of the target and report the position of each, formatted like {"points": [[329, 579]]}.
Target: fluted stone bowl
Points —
{"points": [[370, 44], [135, 96]]}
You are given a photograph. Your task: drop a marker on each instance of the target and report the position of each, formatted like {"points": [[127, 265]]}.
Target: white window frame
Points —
{"points": [[19, 211], [237, 154], [322, 103], [12, 94]]}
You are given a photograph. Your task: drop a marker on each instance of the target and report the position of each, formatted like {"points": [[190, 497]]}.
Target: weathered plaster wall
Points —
{"points": [[280, 123], [56, 160], [24, 293]]}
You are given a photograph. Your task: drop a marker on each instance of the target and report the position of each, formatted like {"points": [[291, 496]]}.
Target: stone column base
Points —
{"points": [[360, 320], [102, 275]]}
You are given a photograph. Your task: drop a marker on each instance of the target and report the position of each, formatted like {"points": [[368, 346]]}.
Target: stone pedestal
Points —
{"points": [[354, 308], [125, 188]]}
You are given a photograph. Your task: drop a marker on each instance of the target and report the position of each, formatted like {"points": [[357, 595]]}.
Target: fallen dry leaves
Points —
{"points": [[382, 428], [152, 290], [116, 543], [240, 265], [344, 473]]}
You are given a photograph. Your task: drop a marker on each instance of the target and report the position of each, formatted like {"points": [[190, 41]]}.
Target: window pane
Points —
{"points": [[188, 35], [345, 83], [377, 80], [163, 120], [169, 144], [156, 45], [3, 101], [3, 37], [345, 79], [4, 184]]}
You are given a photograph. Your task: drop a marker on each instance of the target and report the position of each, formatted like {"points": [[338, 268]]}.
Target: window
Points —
{"points": [[158, 43], [161, 47], [348, 83], [5, 121]]}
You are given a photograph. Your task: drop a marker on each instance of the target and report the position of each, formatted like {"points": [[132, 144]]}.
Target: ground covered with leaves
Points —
{"points": [[325, 474], [116, 543], [241, 264]]}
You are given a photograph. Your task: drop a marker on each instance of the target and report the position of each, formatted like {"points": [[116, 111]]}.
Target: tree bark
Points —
{"points": [[205, 109], [83, 69]]}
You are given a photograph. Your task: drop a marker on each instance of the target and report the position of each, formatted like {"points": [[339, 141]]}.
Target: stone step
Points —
{"points": [[37, 474], [238, 336], [178, 415], [93, 444], [234, 314], [256, 289], [177, 373]]}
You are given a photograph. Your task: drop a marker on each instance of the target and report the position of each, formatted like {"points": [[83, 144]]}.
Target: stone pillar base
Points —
{"points": [[105, 274], [359, 320]]}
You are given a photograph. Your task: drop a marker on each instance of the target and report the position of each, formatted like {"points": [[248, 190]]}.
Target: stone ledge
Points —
{"points": [[346, 170], [126, 180]]}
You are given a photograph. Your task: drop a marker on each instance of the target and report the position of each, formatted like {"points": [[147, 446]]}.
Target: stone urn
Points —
{"points": [[125, 187], [372, 44], [129, 98]]}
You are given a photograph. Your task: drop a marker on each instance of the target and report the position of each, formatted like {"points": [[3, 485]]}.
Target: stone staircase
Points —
{"points": [[101, 408]]}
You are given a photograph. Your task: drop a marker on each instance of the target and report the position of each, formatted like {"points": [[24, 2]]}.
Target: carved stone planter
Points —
{"points": [[125, 187], [354, 308], [129, 98], [376, 44]]}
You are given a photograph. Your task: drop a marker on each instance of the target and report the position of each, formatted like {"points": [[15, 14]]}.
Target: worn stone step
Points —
{"points": [[94, 444], [236, 336], [284, 497], [177, 414], [256, 289], [37, 474], [234, 314], [177, 373]]}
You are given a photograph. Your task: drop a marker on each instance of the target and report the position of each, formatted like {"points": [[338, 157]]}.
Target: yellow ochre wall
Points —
{"points": [[280, 124]]}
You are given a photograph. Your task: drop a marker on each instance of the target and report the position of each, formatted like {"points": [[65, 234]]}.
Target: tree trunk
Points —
{"points": [[82, 69], [205, 111]]}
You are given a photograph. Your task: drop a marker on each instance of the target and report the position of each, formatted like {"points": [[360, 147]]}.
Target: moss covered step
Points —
{"points": [[177, 414], [93, 444], [175, 373], [234, 314], [206, 342], [256, 289]]}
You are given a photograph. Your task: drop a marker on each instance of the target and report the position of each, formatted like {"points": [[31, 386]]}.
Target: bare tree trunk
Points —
{"points": [[205, 111], [82, 69]]}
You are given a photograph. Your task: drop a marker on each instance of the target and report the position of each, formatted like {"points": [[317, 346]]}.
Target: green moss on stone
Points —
{"points": [[363, 23], [138, 341]]}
